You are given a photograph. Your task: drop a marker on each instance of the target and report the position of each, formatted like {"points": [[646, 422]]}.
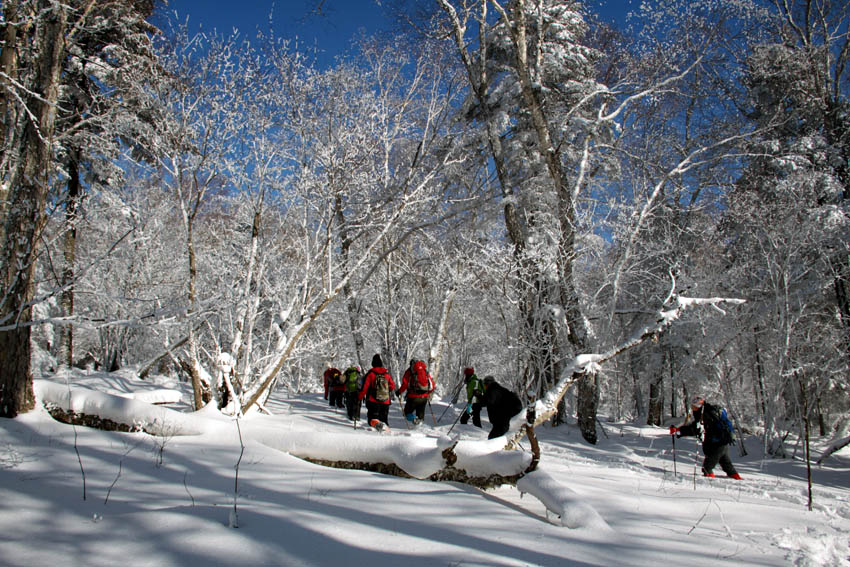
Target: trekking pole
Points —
{"points": [[696, 458], [456, 420], [432, 412], [444, 412], [453, 401], [403, 417], [673, 437]]}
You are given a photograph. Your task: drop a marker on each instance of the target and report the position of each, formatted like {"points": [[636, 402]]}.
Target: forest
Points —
{"points": [[607, 219]]}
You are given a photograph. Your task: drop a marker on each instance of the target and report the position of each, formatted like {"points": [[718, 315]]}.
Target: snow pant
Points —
{"points": [[376, 410], [714, 454], [335, 398], [499, 428], [352, 406], [476, 415], [416, 405]]}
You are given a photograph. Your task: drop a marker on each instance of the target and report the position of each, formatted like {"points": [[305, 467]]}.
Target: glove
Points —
{"points": [[397, 394], [469, 407], [673, 430]]}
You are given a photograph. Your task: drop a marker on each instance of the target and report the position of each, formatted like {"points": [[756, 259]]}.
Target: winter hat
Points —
{"points": [[469, 371], [377, 362], [489, 380], [697, 402]]}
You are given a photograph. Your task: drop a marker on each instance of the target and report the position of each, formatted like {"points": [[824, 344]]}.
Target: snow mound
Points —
{"points": [[560, 500]]}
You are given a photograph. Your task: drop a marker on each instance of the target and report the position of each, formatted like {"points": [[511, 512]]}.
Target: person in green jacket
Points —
{"points": [[474, 393]]}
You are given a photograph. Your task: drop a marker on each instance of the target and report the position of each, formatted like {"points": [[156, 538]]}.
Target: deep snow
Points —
{"points": [[169, 499]]}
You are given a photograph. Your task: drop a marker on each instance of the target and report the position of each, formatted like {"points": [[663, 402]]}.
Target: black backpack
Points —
{"points": [[718, 427]]}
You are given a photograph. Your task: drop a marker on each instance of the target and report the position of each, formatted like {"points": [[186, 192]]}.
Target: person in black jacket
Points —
{"points": [[708, 423], [502, 405]]}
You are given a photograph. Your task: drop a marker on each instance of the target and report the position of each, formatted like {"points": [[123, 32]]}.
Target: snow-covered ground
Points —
{"points": [[135, 499]]}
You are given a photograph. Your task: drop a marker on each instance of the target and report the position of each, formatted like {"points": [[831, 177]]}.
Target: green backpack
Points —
{"points": [[352, 380]]}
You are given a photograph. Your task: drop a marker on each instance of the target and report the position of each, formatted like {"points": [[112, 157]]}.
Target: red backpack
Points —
{"points": [[421, 382]]}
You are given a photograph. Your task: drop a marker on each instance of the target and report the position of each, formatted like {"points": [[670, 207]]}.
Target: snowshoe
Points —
{"points": [[379, 426]]}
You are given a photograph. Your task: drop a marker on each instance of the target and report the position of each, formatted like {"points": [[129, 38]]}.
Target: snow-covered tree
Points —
{"points": [[53, 55]]}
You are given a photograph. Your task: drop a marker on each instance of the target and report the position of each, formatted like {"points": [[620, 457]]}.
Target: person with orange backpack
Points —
{"points": [[418, 384], [378, 388]]}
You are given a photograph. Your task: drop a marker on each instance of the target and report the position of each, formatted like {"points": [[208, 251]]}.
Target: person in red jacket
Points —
{"points": [[418, 385], [334, 387], [378, 388]]}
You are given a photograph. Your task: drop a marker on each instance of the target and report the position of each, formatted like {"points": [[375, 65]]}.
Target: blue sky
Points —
{"points": [[331, 30]]}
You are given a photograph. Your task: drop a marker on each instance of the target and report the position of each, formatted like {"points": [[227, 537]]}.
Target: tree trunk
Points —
{"points": [[8, 105], [25, 215], [435, 355], [65, 348], [656, 400], [194, 369], [347, 292]]}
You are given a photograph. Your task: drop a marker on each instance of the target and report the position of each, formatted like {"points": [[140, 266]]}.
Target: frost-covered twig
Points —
{"points": [[701, 518], [120, 468]]}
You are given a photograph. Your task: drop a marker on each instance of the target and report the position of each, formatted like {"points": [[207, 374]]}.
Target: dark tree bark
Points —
{"points": [[65, 347], [25, 214]]}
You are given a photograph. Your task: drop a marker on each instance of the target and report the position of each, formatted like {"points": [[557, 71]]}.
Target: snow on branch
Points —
{"points": [[585, 364]]}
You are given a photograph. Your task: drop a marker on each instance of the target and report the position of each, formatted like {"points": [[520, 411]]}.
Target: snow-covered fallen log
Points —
{"points": [[418, 456], [135, 414], [478, 462]]}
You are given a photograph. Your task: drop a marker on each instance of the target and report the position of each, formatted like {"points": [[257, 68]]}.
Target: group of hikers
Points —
{"points": [[350, 388]]}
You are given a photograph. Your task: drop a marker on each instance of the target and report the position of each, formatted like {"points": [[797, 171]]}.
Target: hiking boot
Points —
{"points": [[736, 476], [708, 474]]}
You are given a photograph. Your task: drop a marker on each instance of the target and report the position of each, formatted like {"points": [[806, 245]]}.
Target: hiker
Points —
{"points": [[501, 404], [712, 425], [474, 392], [418, 385], [334, 387], [353, 382], [378, 387]]}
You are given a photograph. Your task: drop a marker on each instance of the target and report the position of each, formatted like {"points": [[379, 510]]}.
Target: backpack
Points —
{"points": [[420, 380], [352, 379], [718, 427], [336, 378], [381, 388]]}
